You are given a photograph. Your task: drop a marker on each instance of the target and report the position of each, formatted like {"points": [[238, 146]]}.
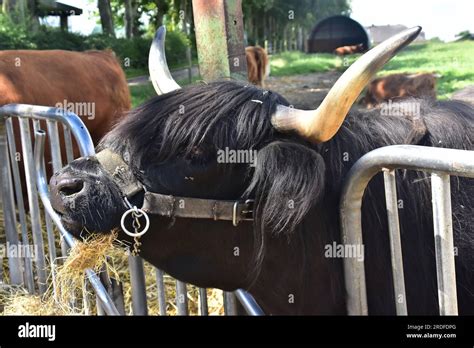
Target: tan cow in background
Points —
{"points": [[394, 86], [258, 65]]}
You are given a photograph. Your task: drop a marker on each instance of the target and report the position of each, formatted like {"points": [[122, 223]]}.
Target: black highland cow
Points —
{"points": [[170, 146]]}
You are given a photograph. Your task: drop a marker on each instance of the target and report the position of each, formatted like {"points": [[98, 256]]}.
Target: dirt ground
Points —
{"points": [[303, 91]]}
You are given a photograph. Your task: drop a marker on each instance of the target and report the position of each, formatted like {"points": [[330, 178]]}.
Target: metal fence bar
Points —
{"points": [[230, 305], [71, 120], [137, 280], [203, 308], [248, 302], [102, 295], [181, 298], [395, 241], [411, 157], [105, 304], [444, 245], [20, 204], [35, 217], [68, 144], [9, 216], [85, 298], [160, 285], [56, 161]]}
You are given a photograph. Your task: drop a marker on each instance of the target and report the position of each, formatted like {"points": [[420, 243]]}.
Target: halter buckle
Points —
{"points": [[242, 211]]}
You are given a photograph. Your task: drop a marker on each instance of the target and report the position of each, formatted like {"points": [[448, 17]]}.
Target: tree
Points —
{"points": [[129, 14], [106, 18], [15, 9], [278, 22]]}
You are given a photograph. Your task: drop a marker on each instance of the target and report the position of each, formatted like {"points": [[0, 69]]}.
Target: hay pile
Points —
{"points": [[66, 296], [62, 296], [15, 300]]}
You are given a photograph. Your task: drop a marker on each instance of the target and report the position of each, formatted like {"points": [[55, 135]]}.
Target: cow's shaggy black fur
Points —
{"points": [[296, 185]]}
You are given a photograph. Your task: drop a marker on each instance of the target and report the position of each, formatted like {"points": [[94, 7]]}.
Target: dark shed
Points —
{"points": [[336, 31]]}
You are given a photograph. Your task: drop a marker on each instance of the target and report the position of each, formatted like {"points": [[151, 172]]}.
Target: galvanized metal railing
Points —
{"points": [[34, 167], [441, 163]]}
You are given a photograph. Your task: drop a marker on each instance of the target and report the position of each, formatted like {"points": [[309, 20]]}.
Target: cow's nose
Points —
{"points": [[69, 186], [63, 187]]}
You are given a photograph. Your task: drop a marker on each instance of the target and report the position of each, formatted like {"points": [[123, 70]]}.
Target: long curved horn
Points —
{"points": [[323, 123], [160, 75]]}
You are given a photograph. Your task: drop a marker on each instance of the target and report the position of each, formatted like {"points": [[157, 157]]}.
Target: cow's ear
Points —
{"points": [[288, 180]]}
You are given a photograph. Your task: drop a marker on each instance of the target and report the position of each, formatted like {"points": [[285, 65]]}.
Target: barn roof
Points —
{"points": [[56, 8], [336, 31], [379, 33]]}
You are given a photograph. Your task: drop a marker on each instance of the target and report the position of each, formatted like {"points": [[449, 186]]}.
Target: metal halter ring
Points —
{"points": [[136, 211]]}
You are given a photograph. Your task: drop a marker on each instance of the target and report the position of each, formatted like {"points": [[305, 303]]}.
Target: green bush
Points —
{"points": [[176, 45], [52, 38], [14, 36]]}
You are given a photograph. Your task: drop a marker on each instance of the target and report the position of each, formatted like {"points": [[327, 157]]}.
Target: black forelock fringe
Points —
{"points": [[219, 114]]}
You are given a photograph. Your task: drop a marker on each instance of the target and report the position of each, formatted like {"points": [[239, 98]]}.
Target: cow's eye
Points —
{"points": [[196, 151], [199, 155]]}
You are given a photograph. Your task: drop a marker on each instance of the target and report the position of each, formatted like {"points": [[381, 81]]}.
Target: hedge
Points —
{"points": [[136, 49]]}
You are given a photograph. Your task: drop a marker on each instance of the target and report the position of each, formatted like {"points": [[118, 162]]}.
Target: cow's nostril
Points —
{"points": [[68, 187]]}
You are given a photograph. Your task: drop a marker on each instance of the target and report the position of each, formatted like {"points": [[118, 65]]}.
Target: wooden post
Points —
{"points": [[63, 22], [220, 39]]}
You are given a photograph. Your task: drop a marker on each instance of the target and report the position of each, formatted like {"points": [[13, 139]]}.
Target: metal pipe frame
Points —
{"points": [[71, 120], [395, 241], [20, 203], [181, 298], [248, 302], [86, 147], [9, 215], [137, 280], [444, 244], [411, 157], [101, 293], [35, 214], [72, 123], [161, 293]]}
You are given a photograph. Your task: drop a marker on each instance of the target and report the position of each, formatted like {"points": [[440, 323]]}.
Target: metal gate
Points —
{"points": [[440, 163], [21, 270]]}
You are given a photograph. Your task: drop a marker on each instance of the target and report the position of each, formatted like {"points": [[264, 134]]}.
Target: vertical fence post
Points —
{"points": [[30, 175], [161, 292], [220, 39], [444, 244], [9, 216], [137, 280], [181, 298], [395, 241], [203, 307]]}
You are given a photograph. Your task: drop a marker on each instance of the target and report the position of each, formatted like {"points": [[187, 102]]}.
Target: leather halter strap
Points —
{"points": [[172, 206]]}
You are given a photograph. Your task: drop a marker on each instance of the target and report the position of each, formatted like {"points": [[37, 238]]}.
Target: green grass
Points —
{"points": [[142, 93], [453, 61], [134, 72]]}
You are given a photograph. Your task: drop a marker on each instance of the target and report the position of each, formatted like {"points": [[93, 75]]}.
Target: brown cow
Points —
{"points": [[91, 84], [345, 50], [91, 81], [400, 85], [258, 65]]}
